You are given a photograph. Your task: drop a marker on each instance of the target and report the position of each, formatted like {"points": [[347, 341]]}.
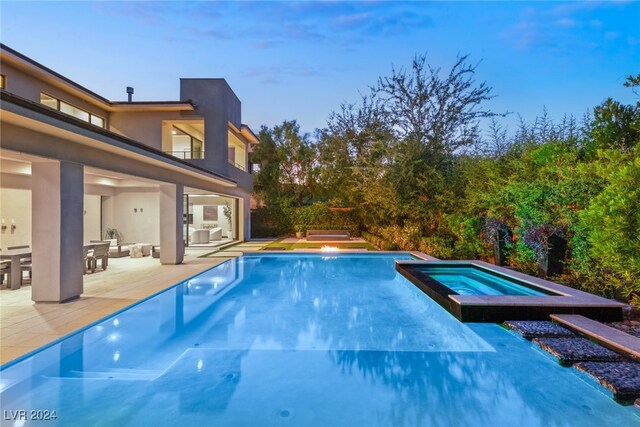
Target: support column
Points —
{"points": [[171, 227], [244, 216], [57, 199]]}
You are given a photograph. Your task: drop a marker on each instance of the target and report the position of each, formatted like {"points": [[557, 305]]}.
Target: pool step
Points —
{"points": [[607, 336], [610, 368], [531, 329], [572, 350], [622, 378], [113, 374]]}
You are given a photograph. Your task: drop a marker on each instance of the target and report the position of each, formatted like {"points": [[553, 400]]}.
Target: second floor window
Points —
{"points": [[65, 107], [185, 145], [3, 81]]}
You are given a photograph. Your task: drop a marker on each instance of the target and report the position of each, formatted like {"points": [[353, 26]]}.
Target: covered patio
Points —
{"points": [[25, 325]]}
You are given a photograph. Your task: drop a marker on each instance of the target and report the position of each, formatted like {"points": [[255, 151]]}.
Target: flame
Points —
{"points": [[327, 248]]}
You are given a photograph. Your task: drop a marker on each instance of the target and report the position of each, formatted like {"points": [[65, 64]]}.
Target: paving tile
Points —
{"points": [[9, 353], [622, 378], [39, 340], [538, 329], [571, 350], [25, 325], [17, 339]]}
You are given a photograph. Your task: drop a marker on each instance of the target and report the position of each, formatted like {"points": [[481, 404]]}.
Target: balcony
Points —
{"points": [[187, 155], [238, 165]]}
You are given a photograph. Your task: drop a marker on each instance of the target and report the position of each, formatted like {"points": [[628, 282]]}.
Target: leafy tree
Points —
{"points": [[440, 114], [266, 182], [287, 162], [614, 125], [613, 218]]}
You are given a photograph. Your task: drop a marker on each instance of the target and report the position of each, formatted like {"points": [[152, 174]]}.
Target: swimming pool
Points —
{"points": [[304, 340], [473, 281]]}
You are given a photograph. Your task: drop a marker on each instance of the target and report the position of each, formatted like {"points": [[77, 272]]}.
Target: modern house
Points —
{"points": [[75, 164]]}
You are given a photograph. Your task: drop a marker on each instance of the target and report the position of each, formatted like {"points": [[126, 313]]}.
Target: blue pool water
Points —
{"points": [[301, 340], [473, 281]]}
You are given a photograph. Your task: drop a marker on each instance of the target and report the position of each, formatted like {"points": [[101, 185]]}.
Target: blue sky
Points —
{"points": [[301, 60]]}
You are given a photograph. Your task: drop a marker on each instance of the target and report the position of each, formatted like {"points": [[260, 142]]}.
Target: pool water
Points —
{"points": [[301, 340], [473, 281]]}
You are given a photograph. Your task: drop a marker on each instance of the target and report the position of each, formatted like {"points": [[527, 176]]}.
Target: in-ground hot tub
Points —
{"points": [[475, 291]]}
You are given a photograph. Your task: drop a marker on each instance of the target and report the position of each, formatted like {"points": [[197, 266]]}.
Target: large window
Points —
{"points": [[185, 145], [237, 152], [71, 110]]}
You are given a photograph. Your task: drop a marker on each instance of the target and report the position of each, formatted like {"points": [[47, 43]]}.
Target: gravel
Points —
{"points": [[631, 327], [571, 350], [537, 329], [622, 378]]}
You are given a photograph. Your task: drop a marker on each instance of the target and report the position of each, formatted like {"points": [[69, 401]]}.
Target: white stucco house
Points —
{"points": [[75, 164]]}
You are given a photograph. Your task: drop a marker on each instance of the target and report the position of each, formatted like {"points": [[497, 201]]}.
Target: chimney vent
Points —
{"points": [[130, 93]]}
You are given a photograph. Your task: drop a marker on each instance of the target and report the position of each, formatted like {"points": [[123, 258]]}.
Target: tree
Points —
{"points": [[287, 162], [614, 125], [633, 82], [440, 114], [613, 218], [266, 182]]}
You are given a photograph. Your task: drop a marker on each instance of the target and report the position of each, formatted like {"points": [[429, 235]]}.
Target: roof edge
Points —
{"points": [[34, 106]]}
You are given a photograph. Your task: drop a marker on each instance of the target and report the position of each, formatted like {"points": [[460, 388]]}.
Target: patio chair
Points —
{"points": [[25, 263], [86, 262], [5, 268], [100, 252]]}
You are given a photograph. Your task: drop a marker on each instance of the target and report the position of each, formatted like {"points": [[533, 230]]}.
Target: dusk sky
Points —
{"points": [[302, 60]]}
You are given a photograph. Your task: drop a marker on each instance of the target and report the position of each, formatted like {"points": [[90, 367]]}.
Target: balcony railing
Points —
{"points": [[238, 165], [187, 155]]}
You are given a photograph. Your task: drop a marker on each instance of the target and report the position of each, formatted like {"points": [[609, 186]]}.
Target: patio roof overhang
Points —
{"points": [[81, 142]]}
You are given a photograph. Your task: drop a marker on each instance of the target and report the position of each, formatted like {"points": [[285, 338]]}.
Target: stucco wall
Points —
{"points": [[15, 205], [91, 230], [29, 87], [139, 226], [216, 102], [143, 126]]}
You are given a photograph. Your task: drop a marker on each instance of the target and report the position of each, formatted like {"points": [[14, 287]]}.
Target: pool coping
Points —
{"points": [[604, 335], [498, 308]]}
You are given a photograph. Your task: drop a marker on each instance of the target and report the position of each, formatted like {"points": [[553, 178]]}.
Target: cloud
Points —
{"points": [[279, 73], [567, 23], [566, 27], [266, 25], [612, 35]]}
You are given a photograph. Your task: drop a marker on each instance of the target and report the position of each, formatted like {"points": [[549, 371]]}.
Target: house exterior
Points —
{"points": [[74, 164]]}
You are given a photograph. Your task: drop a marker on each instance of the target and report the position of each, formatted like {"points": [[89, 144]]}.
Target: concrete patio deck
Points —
{"points": [[25, 326]]}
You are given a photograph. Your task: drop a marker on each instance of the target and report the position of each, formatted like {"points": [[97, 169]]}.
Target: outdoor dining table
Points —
{"points": [[15, 255]]}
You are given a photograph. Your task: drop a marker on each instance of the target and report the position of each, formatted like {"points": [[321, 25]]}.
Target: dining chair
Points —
{"points": [[86, 261], [25, 263], [5, 268], [100, 252]]}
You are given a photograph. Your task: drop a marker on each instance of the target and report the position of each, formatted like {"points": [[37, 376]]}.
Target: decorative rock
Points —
{"points": [[631, 327], [538, 328], [622, 378], [570, 350]]}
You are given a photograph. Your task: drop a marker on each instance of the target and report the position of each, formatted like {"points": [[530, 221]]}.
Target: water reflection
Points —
{"points": [[323, 340]]}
